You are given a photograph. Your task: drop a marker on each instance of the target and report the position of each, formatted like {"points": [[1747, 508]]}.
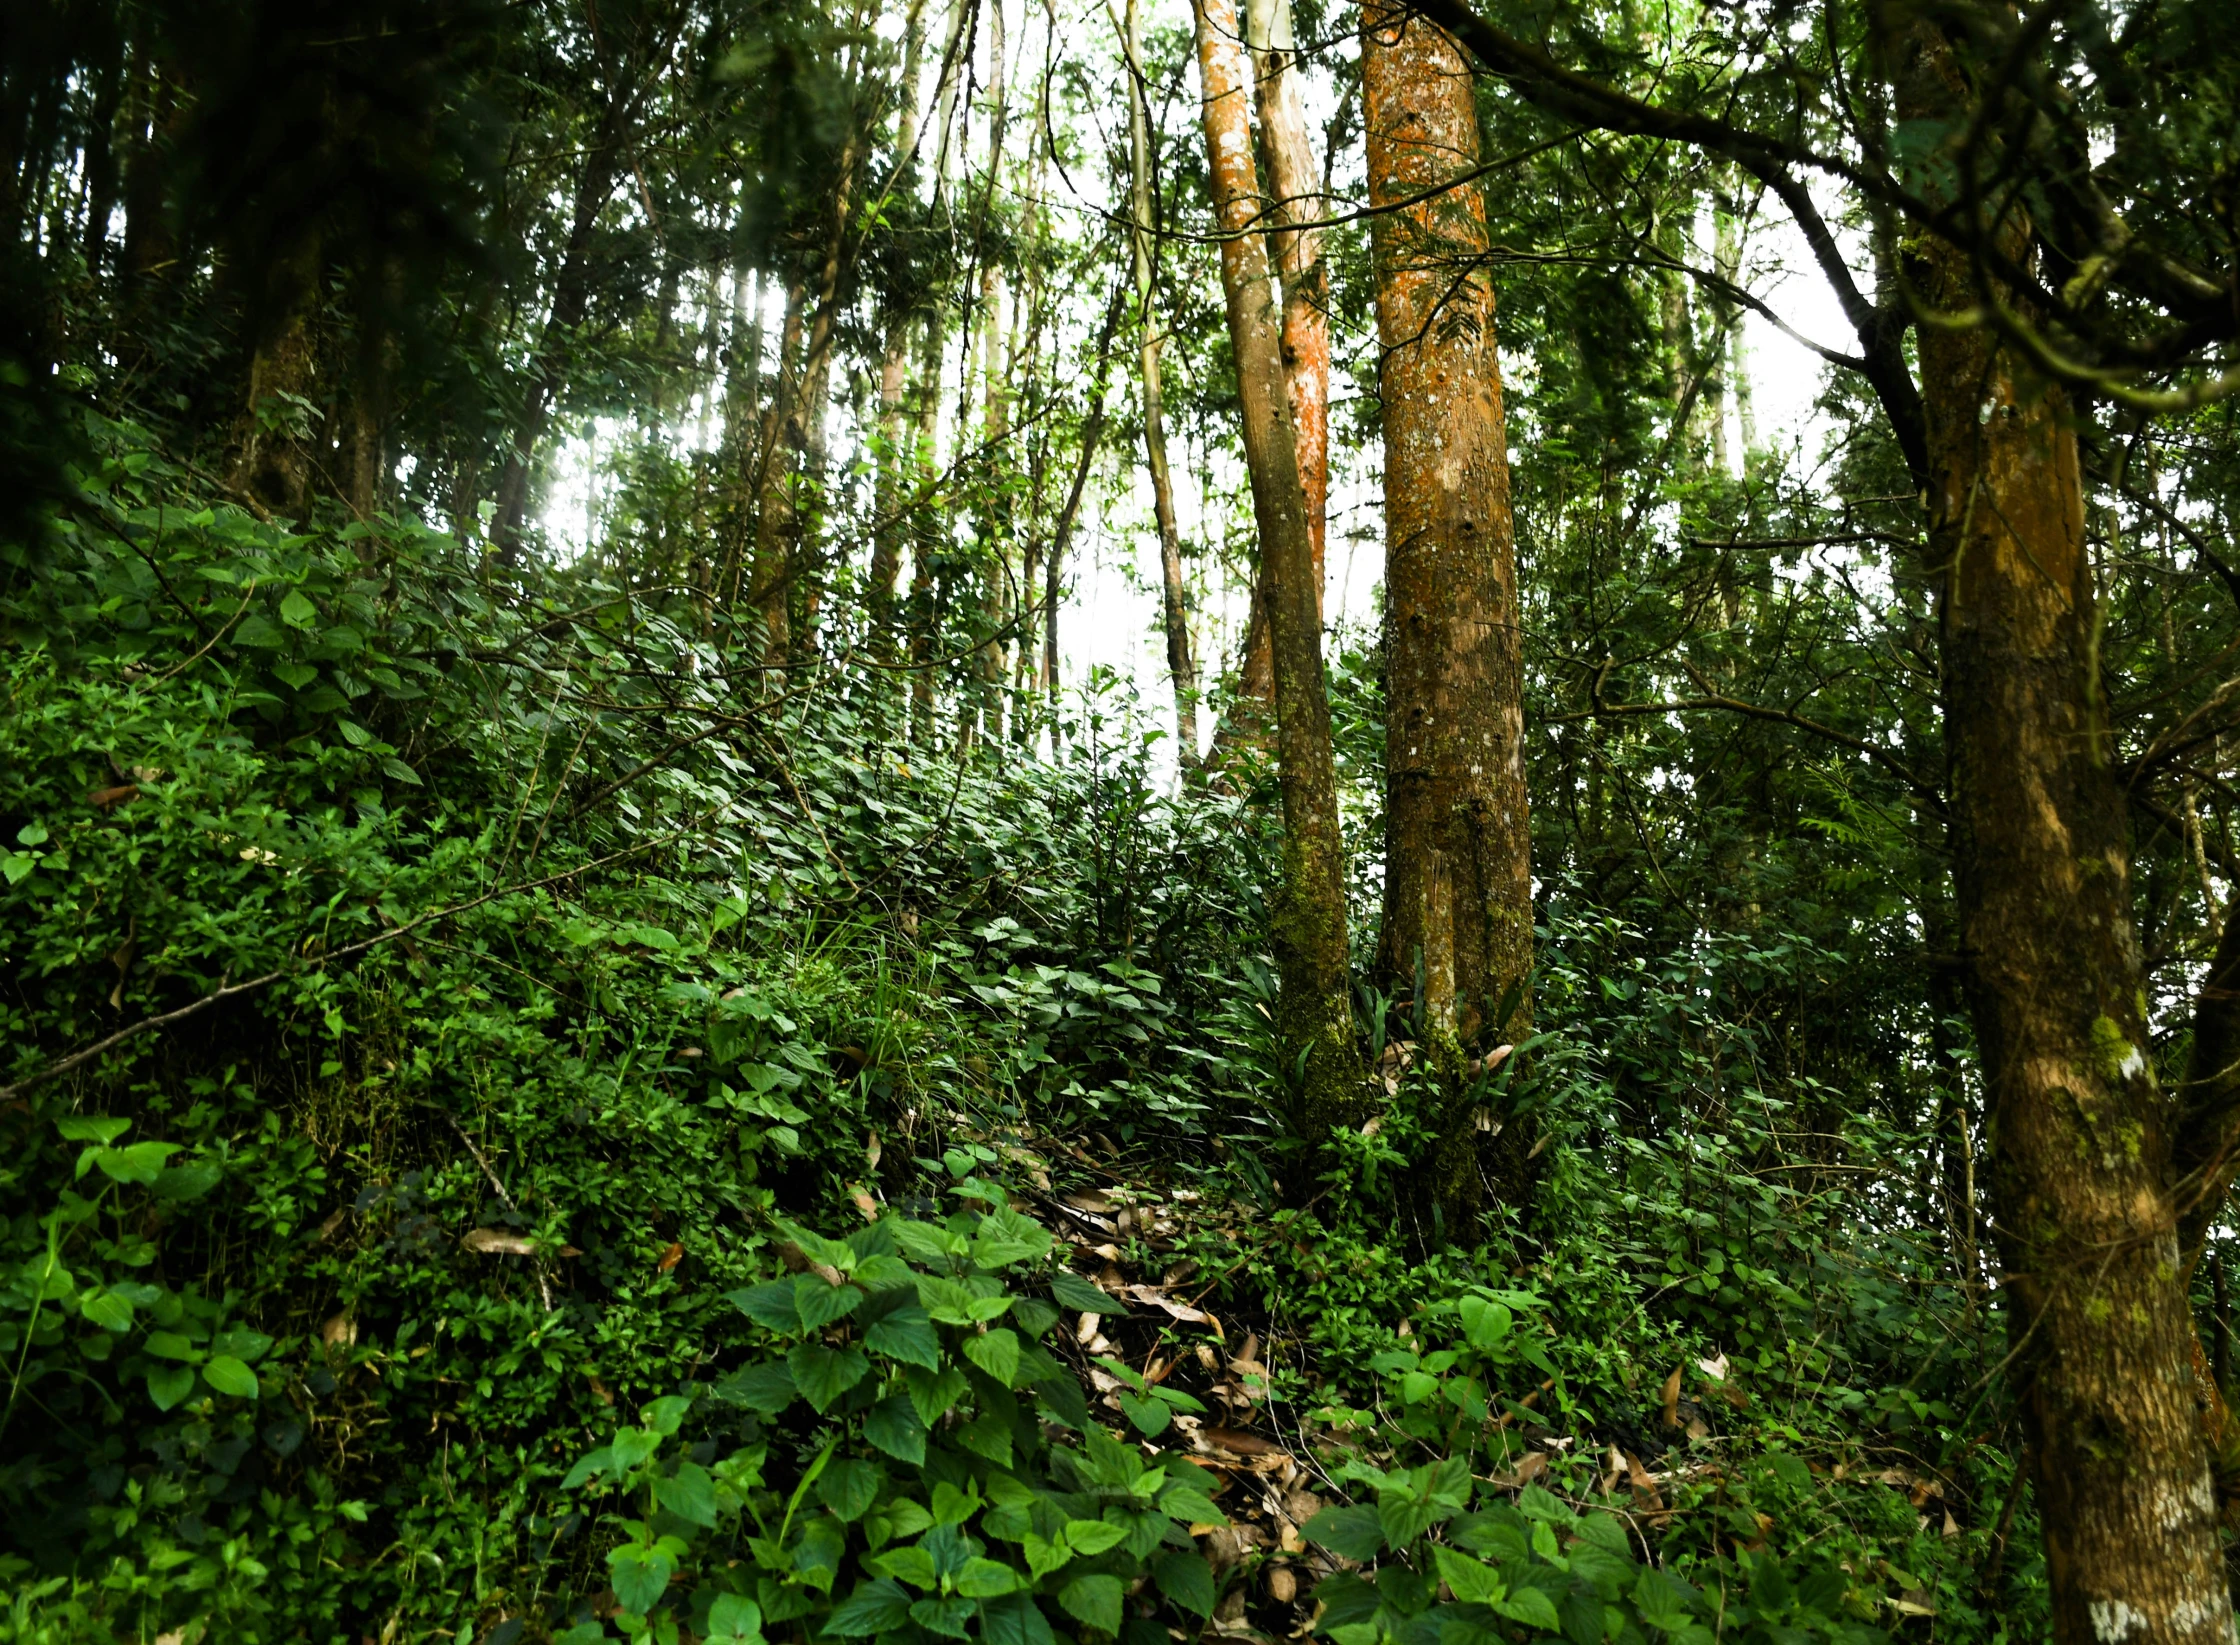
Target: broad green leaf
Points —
{"points": [[1471, 1582], [734, 1616], [140, 1163], [1045, 1556], [1093, 1536], [1533, 1608], [986, 1579], [1148, 1415], [1006, 1237], [933, 1394], [769, 1305], [767, 1388], [1094, 1601], [995, 1352], [927, 1243], [947, 1618], [1185, 1501], [876, 1607], [1352, 1533], [906, 1334], [229, 1376], [1070, 1290], [849, 1488], [1485, 1322], [665, 1415], [820, 1303], [298, 612], [640, 1575], [588, 1466], [893, 1426], [171, 1345], [690, 1494], [169, 1384], [242, 1343], [1015, 1620], [955, 1304], [911, 1564], [107, 1310], [1187, 1580], [185, 1182], [632, 1446], [100, 1128], [824, 1374]]}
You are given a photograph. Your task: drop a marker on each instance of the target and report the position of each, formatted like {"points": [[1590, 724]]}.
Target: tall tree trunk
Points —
{"points": [[773, 500], [2082, 1172], [1180, 669], [1315, 1017], [1092, 432], [1458, 847], [895, 466]]}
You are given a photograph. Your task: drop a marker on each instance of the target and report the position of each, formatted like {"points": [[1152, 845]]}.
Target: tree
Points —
{"points": [[1457, 935], [1308, 927]]}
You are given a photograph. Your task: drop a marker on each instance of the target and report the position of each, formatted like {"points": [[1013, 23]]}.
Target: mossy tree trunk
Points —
{"points": [[1315, 1024], [1458, 877], [2086, 1164]]}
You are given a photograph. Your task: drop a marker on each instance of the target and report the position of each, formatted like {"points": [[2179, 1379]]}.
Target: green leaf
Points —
{"points": [[911, 1564], [1093, 1536], [100, 1128], [1184, 1501], [640, 1575], [1045, 1556], [294, 675], [734, 1616], [244, 1344], [876, 1607], [142, 1162], [819, 1302], [893, 1426], [588, 1466], [169, 1384], [1187, 1580], [1070, 1290], [690, 1494], [1006, 1237], [298, 612], [1094, 1601], [1016, 1620], [1471, 1582], [986, 1579], [906, 1334], [995, 1352], [107, 1310], [849, 1488], [1352, 1533], [229, 1376], [946, 1617], [1533, 1608], [824, 1374], [171, 1345], [955, 1304], [767, 1388], [397, 771], [1149, 1416], [185, 1182], [927, 1243], [665, 1415], [1485, 1322], [770, 1305], [931, 1394]]}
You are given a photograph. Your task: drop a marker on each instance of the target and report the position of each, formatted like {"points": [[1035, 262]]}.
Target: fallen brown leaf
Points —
{"points": [[101, 799], [497, 1242], [671, 1257], [1671, 1398], [1242, 1444]]}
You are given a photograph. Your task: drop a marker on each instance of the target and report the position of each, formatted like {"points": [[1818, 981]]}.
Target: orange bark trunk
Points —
{"points": [[1315, 1022]]}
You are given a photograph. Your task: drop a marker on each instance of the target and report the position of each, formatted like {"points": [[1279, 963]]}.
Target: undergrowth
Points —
{"points": [[644, 1147]]}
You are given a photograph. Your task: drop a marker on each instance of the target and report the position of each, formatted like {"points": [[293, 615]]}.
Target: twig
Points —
{"points": [[544, 1286]]}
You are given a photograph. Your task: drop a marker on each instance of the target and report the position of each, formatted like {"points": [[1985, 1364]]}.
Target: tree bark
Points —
{"points": [[1315, 1016], [2082, 1163], [1458, 846], [1180, 669]]}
